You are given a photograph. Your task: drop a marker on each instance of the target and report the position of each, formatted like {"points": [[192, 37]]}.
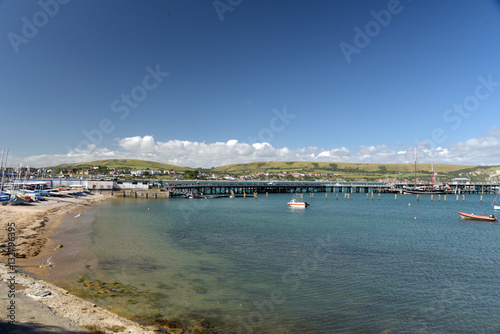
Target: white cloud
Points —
{"points": [[475, 151], [90, 153], [144, 144]]}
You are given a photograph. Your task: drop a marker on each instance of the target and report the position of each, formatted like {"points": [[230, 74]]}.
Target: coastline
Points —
{"points": [[34, 303]]}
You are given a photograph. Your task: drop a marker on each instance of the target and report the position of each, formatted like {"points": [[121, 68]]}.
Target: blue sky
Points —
{"points": [[207, 83]]}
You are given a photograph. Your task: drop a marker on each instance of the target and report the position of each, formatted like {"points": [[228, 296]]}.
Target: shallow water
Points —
{"points": [[255, 265]]}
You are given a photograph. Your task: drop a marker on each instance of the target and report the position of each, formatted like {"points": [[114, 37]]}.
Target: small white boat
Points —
{"points": [[472, 216], [296, 204]]}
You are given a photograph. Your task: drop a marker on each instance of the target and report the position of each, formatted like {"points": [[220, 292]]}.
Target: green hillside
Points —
{"points": [[122, 163], [364, 171], [329, 170]]}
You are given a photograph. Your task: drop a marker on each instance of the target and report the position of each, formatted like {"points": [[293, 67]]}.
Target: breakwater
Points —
{"points": [[147, 193]]}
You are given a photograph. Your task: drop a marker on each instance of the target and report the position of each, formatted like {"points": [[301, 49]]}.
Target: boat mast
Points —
{"points": [[432, 171], [1, 168], [415, 168], [4, 166]]}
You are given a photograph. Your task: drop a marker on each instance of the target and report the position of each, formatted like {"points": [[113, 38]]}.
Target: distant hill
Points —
{"points": [[336, 171], [364, 171], [122, 163]]}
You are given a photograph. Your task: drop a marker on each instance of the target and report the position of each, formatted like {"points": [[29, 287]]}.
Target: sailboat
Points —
{"points": [[4, 197], [424, 190]]}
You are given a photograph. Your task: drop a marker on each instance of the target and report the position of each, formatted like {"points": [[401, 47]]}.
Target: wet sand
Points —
{"points": [[36, 305]]}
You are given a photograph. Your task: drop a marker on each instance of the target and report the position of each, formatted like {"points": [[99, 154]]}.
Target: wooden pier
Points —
{"points": [[245, 188]]}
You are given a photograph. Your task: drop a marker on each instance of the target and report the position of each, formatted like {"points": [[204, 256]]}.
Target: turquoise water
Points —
{"points": [[339, 266]]}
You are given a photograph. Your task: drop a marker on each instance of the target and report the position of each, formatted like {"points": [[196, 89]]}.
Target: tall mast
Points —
{"points": [[432, 171], [415, 168], [4, 166], [1, 168]]}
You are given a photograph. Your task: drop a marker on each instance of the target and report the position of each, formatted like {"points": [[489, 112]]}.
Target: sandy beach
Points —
{"points": [[31, 305]]}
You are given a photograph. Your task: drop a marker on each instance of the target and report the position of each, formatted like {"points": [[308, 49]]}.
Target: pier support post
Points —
{"points": [[463, 197], [267, 194], [457, 198], [254, 195], [395, 197], [481, 198], [244, 195], [379, 196], [326, 195], [432, 198], [418, 198], [439, 198], [348, 196], [367, 194], [445, 198], [337, 195]]}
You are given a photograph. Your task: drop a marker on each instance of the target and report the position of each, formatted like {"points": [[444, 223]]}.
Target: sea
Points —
{"points": [[346, 264]]}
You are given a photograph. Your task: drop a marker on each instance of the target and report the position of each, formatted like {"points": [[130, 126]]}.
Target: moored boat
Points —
{"points": [[296, 204], [471, 216], [424, 191]]}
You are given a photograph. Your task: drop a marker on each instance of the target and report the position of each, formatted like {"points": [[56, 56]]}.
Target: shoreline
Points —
{"points": [[35, 303], [36, 224]]}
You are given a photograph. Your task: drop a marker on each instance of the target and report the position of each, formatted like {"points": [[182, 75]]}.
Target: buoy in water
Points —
{"points": [[415, 218]]}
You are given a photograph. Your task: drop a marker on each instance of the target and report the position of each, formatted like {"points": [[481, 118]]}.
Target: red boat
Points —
{"points": [[472, 216]]}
